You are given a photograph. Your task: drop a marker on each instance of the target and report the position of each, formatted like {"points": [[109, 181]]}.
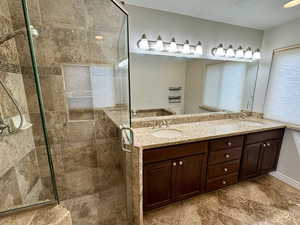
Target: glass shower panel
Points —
{"points": [[25, 176], [82, 61]]}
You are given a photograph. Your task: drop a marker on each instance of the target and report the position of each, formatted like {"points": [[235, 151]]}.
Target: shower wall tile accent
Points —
{"points": [[20, 178]]}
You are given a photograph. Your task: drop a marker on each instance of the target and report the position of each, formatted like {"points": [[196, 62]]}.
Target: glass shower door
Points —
{"points": [[82, 68]]}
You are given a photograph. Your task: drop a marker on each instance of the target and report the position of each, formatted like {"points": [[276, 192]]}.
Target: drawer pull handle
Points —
{"points": [[227, 156], [224, 182], [174, 164], [229, 143], [225, 170], [180, 163]]}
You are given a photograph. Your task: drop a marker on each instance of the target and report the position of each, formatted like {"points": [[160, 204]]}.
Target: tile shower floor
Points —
{"points": [[262, 201], [103, 208]]}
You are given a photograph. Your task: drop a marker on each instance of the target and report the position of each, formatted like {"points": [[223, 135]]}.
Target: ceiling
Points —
{"points": [[259, 14]]}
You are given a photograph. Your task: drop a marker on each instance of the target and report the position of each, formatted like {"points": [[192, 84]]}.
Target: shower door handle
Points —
{"points": [[126, 140]]}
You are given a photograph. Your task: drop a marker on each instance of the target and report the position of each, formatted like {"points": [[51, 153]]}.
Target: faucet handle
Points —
{"points": [[164, 123]]}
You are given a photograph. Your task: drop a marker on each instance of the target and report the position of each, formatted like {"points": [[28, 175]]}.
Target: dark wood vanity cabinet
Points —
{"points": [[179, 172], [261, 153], [188, 176], [157, 184], [224, 162], [174, 176]]}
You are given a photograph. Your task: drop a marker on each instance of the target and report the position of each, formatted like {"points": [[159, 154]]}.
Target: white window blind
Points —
{"points": [[224, 85], [283, 96]]}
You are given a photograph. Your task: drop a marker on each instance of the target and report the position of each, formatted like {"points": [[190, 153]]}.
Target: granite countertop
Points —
{"points": [[204, 130]]}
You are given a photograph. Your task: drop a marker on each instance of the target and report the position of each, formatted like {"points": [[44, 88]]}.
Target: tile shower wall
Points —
{"points": [[20, 178], [86, 153]]}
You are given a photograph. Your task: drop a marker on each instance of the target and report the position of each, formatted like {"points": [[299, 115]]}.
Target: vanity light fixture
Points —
{"points": [[169, 48], [199, 49], [230, 53], [143, 43], [220, 51], [291, 4], [186, 48], [256, 55], [240, 53], [248, 53], [159, 46], [173, 46]]}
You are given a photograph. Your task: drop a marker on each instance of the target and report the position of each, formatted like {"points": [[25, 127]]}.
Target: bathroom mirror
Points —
{"points": [[166, 85]]}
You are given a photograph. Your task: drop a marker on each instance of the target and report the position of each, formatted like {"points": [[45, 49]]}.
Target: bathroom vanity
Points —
{"points": [[173, 172]]}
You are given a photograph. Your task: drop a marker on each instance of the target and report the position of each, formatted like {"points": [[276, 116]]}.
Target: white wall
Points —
{"points": [[194, 86], [151, 76], [278, 37], [169, 25]]}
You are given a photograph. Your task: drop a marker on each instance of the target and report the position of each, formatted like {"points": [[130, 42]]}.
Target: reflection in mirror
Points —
{"points": [[164, 86]]}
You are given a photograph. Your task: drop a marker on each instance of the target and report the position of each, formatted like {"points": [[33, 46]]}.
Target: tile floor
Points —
{"points": [[103, 208], [262, 201]]}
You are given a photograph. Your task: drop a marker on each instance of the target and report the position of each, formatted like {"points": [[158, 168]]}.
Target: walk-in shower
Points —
{"points": [[72, 65]]}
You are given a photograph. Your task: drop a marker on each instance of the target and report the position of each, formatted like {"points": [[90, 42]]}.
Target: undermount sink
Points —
{"points": [[167, 133], [251, 123]]}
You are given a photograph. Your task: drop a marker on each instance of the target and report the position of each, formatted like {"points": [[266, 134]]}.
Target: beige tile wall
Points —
{"points": [[20, 178]]}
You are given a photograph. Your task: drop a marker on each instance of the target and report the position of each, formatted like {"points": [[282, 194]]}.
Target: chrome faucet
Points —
{"points": [[243, 115], [160, 124], [164, 123]]}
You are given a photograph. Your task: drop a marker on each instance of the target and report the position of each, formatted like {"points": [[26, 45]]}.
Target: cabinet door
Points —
{"points": [[270, 151], [250, 164], [157, 184], [189, 176]]}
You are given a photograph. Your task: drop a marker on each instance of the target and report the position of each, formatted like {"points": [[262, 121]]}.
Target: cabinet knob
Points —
{"points": [[264, 145], [180, 163], [224, 182], [225, 170], [268, 144], [227, 156], [229, 143], [174, 164]]}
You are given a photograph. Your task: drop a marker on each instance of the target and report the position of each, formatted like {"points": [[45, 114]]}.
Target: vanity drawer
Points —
{"points": [[224, 155], [223, 169], [264, 136], [221, 182], [230, 142], [173, 152]]}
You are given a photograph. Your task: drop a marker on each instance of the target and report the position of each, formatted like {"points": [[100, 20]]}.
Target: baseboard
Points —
{"points": [[286, 179]]}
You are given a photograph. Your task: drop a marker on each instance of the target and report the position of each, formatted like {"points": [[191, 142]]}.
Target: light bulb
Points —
{"points": [[220, 51], [230, 52], [143, 43], [257, 55], [239, 52], [199, 49], [186, 48], [292, 3], [159, 46], [248, 53], [173, 46]]}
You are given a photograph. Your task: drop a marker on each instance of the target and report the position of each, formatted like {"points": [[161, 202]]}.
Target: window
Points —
{"points": [[224, 85], [283, 95]]}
